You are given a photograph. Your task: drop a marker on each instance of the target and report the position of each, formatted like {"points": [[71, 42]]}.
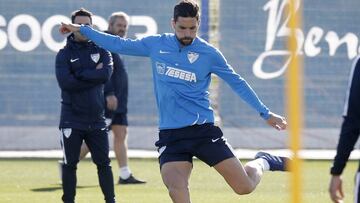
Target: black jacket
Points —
{"points": [[81, 84], [118, 84]]}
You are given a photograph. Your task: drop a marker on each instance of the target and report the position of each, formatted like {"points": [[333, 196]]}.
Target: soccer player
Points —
{"points": [[182, 64], [116, 111], [82, 69], [349, 134]]}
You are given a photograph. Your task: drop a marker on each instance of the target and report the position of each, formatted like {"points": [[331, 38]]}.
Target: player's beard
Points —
{"points": [[185, 40]]}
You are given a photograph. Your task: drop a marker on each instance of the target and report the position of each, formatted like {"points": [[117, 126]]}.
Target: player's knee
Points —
{"points": [[175, 186], [175, 190]]}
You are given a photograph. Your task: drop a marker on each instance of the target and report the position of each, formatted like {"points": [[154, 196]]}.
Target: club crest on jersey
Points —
{"points": [[95, 57], [160, 67], [192, 56]]}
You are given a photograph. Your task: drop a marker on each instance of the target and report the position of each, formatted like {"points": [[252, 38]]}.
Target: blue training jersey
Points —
{"points": [[181, 75]]}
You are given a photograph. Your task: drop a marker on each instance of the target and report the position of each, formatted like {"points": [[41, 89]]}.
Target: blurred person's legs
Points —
{"points": [[119, 128], [84, 150], [71, 140], [98, 145]]}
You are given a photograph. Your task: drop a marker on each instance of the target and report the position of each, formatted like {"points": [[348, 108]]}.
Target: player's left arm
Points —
{"points": [[243, 89]]}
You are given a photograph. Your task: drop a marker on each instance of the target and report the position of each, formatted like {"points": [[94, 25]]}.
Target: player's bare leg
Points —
{"points": [[176, 176], [243, 180]]}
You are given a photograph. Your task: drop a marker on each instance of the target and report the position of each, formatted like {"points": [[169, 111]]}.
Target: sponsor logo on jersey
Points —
{"points": [[162, 69], [180, 74]]}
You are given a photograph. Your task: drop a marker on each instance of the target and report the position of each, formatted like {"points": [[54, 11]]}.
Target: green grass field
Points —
{"points": [[36, 181]]}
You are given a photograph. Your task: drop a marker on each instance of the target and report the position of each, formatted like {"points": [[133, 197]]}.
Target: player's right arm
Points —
{"points": [[65, 77], [115, 44]]}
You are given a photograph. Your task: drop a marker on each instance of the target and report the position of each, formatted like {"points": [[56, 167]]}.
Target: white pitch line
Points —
{"points": [[240, 153]]}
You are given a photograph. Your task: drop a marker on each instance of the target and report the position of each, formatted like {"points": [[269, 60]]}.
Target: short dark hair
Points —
{"points": [[186, 8], [81, 12]]}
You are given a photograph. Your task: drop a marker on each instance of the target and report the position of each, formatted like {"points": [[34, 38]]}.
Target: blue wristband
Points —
{"points": [[266, 115]]}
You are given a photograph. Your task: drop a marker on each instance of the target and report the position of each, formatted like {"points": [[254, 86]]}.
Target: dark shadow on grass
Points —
{"points": [[59, 187]]}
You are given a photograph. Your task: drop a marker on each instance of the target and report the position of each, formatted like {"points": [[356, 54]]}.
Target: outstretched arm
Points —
{"points": [[115, 44]]}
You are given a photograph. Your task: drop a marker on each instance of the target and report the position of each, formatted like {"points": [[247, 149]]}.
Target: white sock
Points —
{"points": [[125, 172], [260, 162]]}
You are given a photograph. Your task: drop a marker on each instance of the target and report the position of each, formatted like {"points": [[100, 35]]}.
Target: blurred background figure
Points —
{"points": [[82, 69], [348, 137], [116, 103]]}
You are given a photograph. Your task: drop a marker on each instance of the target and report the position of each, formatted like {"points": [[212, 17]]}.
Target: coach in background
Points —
{"points": [[82, 69], [116, 111], [348, 136]]}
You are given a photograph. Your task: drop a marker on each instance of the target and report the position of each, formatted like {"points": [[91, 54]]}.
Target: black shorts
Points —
{"points": [[206, 142], [118, 119]]}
